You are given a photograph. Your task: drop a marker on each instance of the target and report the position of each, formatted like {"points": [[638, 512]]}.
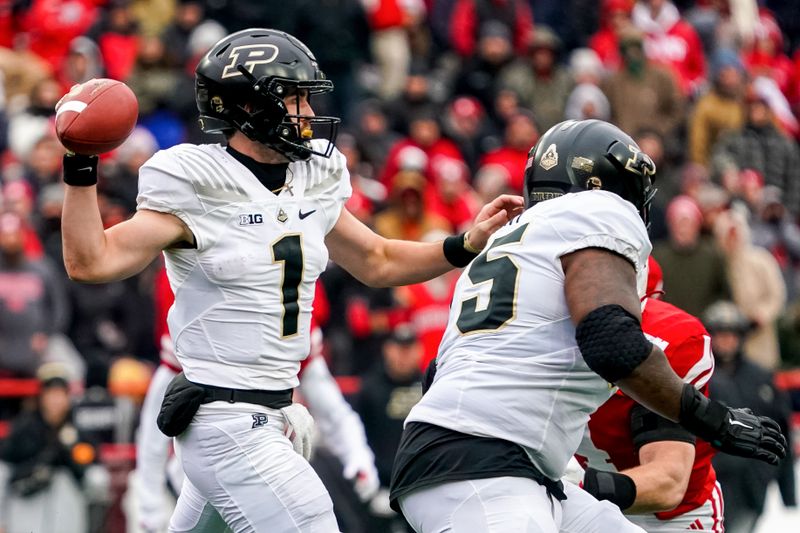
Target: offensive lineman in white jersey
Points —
{"points": [[246, 230], [543, 321]]}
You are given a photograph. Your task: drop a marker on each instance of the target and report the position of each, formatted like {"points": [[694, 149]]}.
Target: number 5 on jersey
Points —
{"points": [[503, 274], [288, 250]]}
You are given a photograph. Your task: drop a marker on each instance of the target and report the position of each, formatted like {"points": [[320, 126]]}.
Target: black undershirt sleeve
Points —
{"points": [[647, 427]]}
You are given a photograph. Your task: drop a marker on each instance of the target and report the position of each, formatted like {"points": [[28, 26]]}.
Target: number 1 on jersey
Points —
{"points": [[289, 251]]}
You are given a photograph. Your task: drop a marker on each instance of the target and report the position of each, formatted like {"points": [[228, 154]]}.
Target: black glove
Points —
{"points": [[734, 431]]}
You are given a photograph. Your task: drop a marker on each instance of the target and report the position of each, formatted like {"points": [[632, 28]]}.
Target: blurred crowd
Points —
{"points": [[441, 101]]}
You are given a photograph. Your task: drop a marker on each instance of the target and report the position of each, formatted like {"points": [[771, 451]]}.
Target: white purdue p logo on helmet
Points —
{"points": [[549, 158], [249, 56]]}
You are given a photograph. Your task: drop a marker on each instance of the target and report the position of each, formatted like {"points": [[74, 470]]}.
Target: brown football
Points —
{"points": [[96, 116]]}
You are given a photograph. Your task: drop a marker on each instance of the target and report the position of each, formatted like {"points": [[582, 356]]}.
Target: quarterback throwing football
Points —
{"points": [[246, 229]]}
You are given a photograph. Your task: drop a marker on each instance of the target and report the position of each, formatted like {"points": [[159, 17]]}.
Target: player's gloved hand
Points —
{"points": [[734, 431], [379, 505], [574, 472], [360, 469], [299, 428]]}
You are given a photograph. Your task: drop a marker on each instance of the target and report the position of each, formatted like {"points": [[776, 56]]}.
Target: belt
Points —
{"points": [[274, 399], [555, 489]]}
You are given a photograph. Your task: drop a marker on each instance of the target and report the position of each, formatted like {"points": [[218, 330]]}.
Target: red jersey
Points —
{"points": [[608, 444]]}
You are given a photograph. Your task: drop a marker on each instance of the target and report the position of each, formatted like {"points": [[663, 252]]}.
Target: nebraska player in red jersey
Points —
{"points": [[653, 469]]}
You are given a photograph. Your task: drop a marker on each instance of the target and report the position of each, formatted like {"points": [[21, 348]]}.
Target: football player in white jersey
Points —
{"points": [[246, 230], [544, 322], [339, 426]]}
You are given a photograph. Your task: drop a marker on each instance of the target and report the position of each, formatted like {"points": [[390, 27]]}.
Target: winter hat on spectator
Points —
{"points": [[467, 107], [495, 28], [140, 141], [448, 169], [772, 195], [583, 95], [749, 176], [412, 158], [53, 375], [204, 36], [613, 6], [403, 334], [585, 61], [543, 37], [723, 58], [683, 207], [408, 180]]}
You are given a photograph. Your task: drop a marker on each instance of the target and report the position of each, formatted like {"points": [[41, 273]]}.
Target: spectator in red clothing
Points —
{"points": [[465, 123], [425, 134], [389, 43], [116, 35], [406, 216], [451, 196], [672, 42], [52, 24], [765, 57], [615, 16], [481, 74], [18, 199], [426, 306], [469, 15], [83, 62], [521, 134]]}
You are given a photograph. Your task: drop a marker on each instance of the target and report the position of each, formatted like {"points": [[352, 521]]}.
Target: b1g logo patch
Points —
{"points": [[251, 219], [259, 419]]}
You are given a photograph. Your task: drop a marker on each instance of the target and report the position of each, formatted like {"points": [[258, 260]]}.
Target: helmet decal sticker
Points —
{"points": [[549, 158], [253, 54]]}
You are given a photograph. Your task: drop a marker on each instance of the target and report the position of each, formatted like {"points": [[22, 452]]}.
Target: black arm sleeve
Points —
{"points": [[647, 427]]}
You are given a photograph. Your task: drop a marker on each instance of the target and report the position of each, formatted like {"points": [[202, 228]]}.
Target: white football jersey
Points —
{"points": [[508, 365], [244, 295]]}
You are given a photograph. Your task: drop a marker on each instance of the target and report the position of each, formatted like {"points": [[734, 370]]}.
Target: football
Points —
{"points": [[96, 116]]}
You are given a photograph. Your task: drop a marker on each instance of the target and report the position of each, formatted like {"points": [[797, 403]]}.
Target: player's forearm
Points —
{"points": [[406, 262], [657, 489], [655, 385], [82, 233]]}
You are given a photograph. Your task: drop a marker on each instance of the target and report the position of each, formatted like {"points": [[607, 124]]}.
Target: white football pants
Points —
{"points": [[248, 471], [509, 505]]}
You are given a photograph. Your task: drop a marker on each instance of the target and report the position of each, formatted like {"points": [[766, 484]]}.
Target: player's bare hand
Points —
{"points": [[492, 217]]}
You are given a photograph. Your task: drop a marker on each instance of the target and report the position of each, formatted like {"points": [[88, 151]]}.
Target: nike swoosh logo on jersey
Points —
{"points": [[737, 423], [84, 168], [304, 215]]}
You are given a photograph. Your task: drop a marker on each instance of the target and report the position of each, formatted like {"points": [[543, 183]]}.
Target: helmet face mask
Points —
{"points": [[576, 156], [243, 82]]}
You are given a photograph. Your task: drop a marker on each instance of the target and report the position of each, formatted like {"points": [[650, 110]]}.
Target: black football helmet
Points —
{"points": [[241, 83], [579, 155]]}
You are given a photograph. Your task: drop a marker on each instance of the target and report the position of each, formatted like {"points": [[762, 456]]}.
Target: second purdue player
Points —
{"points": [[246, 231], [542, 322]]}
